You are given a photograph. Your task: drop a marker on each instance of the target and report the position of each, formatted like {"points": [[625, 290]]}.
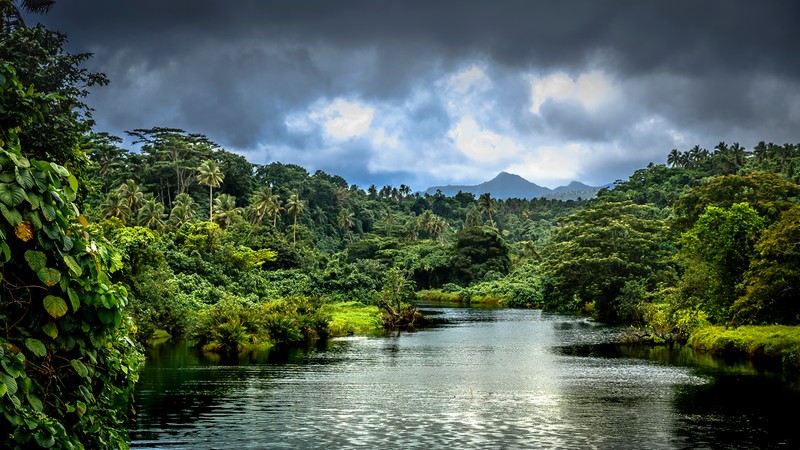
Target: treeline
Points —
{"points": [[101, 245]]}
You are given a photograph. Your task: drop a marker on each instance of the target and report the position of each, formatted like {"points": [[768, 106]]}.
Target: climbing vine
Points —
{"points": [[67, 366]]}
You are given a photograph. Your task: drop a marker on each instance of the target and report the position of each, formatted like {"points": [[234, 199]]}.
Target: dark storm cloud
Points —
{"points": [[704, 70]]}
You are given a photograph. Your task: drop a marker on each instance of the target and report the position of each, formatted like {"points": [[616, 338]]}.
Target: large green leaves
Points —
{"points": [[55, 306], [36, 260], [36, 347], [11, 194]]}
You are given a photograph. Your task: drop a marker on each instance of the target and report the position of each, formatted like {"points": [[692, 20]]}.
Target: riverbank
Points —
{"points": [[771, 346]]}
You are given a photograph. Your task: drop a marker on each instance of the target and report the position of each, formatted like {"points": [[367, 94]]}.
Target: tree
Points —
{"points": [[488, 205], [69, 367], [294, 206], [345, 221], [40, 62], [226, 211], [172, 156], [211, 176], [769, 286], [151, 214], [723, 242], [597, 251], [262, 201], [674, 158], [182, 210], [115, 205]]}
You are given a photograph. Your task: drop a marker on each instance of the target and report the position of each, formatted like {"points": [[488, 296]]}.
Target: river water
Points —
{"points": [[486, 378]]}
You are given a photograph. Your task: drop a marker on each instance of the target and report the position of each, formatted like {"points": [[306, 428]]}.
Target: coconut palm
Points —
{"points": [[295, 206], [182, 210], [151, 214], [674, 158], [274, 209], [226, 211], [261, 202], [133, 195], [488, 205], [346, 220], [209, 174], [115, 205]]}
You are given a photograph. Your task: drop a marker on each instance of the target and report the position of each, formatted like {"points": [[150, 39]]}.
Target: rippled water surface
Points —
{"points": [[489, 378]]}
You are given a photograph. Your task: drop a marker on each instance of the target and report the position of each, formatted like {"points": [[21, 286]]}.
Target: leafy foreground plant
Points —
{"points": [[68, 367]]}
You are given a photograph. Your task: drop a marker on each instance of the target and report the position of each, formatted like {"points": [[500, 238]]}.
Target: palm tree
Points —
{"points": [[227, 212], [437, 227], [12, 17], [209, 174], [151, 214], [274, 210], [674, 157], [261, 202], [132, 194], [345, 221], [294, 206], [182, 209], [487, 204], [115, 205]]}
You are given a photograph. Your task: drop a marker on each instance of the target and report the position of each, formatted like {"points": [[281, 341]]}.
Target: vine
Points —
{"points": [[67, 366]]}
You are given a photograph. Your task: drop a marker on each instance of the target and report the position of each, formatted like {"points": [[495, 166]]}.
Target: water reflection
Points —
{"points": [[483, 378]]}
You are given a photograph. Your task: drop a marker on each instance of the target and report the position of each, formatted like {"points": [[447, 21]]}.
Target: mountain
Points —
{"points": [[506, 185]]}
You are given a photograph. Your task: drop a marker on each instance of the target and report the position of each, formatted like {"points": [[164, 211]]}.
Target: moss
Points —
{"points": [[347, 318], [773, 345]]}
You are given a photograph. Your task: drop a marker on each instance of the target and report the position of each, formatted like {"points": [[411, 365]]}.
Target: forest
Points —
{"points": [[103, 248]]}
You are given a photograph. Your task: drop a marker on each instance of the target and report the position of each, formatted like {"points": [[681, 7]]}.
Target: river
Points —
{"points": [[486, 378]]}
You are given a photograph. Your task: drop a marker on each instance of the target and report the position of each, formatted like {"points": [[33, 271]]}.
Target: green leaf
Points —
{"points": [[44, 440], [74, 298], [11, 370], [80, 368], [35, 402], [73, 265], [55, 306], [6, 251], [11, 194], [59, 169], [36, 260], [3, 389], [80, 407], [19, 161], [24, 177], [50, 329], [13, 216], [49, 276], [36, 347], [68, 243], [69, 194], [49, 211], [14, 400], [11, 384], [73, 182]]}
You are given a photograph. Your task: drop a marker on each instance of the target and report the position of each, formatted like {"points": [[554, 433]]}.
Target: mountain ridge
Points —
{"points": [[508, 185]]}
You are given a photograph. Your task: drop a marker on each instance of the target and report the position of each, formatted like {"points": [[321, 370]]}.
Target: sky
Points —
{"points": [[436, 92]]}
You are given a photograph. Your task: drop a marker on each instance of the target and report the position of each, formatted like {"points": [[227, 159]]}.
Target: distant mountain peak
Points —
{"points": [[508, 185]]}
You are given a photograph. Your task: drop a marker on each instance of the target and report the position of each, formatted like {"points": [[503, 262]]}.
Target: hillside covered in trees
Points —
{"points": [[103, 245]]}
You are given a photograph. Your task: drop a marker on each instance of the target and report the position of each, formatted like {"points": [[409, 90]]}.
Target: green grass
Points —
{"points": [[438, 296], [772, 344], [352, 318]]}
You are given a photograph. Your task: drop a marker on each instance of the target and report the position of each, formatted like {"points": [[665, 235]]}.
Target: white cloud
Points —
{"points": [[480, 144], [552, 164], [340, 119], [591, 89]]}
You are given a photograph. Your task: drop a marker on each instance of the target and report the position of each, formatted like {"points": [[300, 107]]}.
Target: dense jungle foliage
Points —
{"points": [[103, 245]]}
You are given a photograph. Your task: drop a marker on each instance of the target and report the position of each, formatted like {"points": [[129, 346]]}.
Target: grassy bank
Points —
{"points": [[347, 318], [775, 346]]}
